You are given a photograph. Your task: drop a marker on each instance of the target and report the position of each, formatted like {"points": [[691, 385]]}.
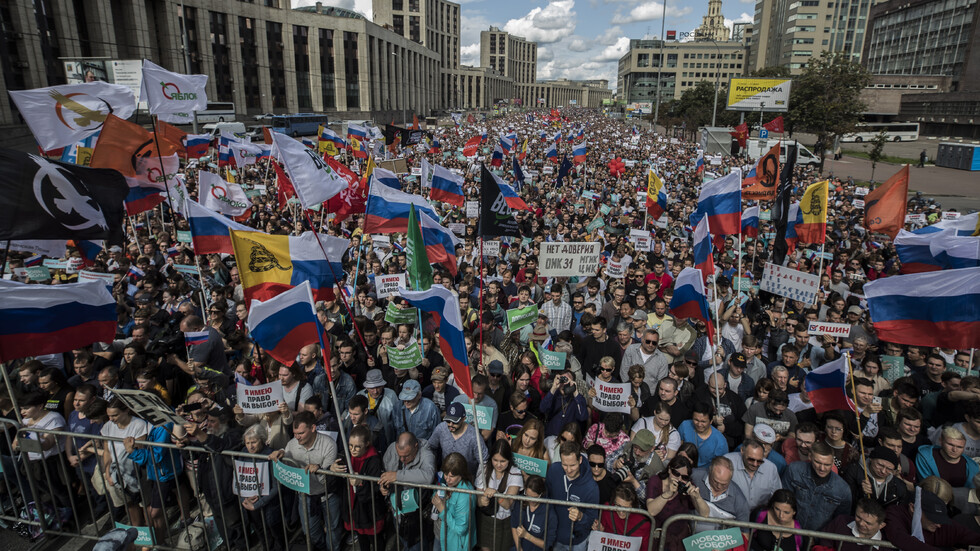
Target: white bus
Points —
{"points": [[895, 131], [217, 112]]}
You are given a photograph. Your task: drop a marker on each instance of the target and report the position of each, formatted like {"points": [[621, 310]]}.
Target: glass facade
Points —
{"points": [[351, 71], [328, 87], [277, 68], [301, 60], [250, 61], [221, 55]]}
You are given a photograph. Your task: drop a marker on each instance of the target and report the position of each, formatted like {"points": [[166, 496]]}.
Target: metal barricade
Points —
{"points": [[752, 527]]}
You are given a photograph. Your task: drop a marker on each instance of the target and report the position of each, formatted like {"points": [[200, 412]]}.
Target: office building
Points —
{"points": [[684, 65]]}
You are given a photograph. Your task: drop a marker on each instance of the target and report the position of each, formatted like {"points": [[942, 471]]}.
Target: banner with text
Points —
{"points": [[611, 396], [789, 283], [251, 478], [259, 398], [569, 259]]}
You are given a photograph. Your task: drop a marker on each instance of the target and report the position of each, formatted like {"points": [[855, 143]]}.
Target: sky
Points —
{"points": [[577, 39]]}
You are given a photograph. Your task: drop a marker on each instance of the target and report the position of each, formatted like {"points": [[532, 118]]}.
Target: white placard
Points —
{"points": [[86, 275], [457, 228], [861, 191], [611, 396], [641, 198], [827, 328], [790, 283], [950, 215], [661, 222], [568, 259], [386, 285], [259, 398], [642, 239], [251, 479], [383, 241], [472, 209], [605, 541], [416, 171], [859, 203], [548, 170], [616, 270], [489, 248], [915, 219], [629, 164]]}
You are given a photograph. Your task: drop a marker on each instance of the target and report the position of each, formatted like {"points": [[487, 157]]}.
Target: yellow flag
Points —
{"points": [[813, 207], [264, 263]]}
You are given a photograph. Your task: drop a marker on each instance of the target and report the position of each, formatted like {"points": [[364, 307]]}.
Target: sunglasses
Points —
{"points": [[606, 370], [651, 342], [684, 477], [520, 411], [599, 464]]}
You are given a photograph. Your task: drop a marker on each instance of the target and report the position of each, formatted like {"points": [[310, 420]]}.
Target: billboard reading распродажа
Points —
{"points": [[754, 94]]}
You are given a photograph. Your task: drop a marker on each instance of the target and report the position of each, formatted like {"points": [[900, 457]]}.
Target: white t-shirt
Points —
{"points": [[673, 437], [136, 428], [51, 421], [514, 479]]}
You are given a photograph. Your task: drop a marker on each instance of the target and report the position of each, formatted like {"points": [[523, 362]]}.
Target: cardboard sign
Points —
{"points": [[892, 367], [260, 398], [861, 191], [86, 275], [184, 236], [519, 317], [950, 215], [472, 209], [605, 541], [386, 285], [915, 219], [554, 361], [457, 228], [489, 248], [616, 270], [297, 480], [398, 315], [148, 406], [859, 203], [531, 465], [406, 358], [789, 283], [714, 540], [642, 239], [611, 396], [251, 478], [569, 258], [827, 328]]}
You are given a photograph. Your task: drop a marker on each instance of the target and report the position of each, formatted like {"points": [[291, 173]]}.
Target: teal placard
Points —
{"points": [[595, 224], [742, 283], [189, 269], [554, 361], [605, 209], [145, 536], [54, 263], [531, 465], [297, 480], [38, 273], [892, 367], [484, 416], [714, 540], [184, 236], [518, 318], [398, 315], [765, 215], [407, 502]]}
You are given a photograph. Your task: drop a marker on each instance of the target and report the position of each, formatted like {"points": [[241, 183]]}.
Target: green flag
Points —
{"points": [[419, 268]]}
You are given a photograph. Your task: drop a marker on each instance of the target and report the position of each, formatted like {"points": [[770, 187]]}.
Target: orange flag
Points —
{"points": [[415, 123], [267, 135], [121, 144], [884, 208], [171, 135]]}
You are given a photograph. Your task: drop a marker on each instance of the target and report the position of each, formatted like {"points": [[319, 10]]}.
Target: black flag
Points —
{"points": [[780, 209], [44, 199], [564, 169], [496, 217]]}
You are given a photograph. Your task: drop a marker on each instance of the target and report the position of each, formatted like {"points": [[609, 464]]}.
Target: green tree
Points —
{"points": [[826, 99], [772, 72], [694, 107], [877, 150]]}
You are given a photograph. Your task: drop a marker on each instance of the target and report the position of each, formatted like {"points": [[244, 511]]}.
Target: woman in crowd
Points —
{"points": [[263, 511], [295, 391], [454, 510], [871, 369], [672, 493], [610, 435], [639, 390], [780, 514], [528, 518], [530, 440], [522, 382], [493, 513], [622, 523], [570, 432], [363, 499], [668, 439], [835, 435]]}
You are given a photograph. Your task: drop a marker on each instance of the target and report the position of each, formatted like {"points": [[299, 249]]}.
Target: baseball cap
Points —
{"points": [[640, 315], [495, 367], [410, 391], [644, 440], [455, 412], [855, 310], [738, 359], [934, 508], [764, 433]]}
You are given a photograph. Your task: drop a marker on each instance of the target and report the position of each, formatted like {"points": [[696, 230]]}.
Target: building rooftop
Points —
{"points": [[332, 11]]}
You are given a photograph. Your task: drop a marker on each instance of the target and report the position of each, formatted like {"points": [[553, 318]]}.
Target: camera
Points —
{"points": [[683, 487]]}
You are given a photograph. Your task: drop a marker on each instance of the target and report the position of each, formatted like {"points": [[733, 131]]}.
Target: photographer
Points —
{"points": [[563, 405]]}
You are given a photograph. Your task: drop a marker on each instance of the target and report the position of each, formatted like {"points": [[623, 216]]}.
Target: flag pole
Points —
{"points": [[857, 415], [482, 285], [820, 269], [163, 173], [717, 299]]}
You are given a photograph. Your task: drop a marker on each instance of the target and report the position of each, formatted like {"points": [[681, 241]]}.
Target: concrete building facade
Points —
{"points": [[684, 65]]}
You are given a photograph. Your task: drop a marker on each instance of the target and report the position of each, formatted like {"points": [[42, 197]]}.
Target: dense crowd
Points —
{"points": [[721, 429]]}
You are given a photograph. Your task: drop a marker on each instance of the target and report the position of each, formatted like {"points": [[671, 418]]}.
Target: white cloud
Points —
{"points": [[470, 55], [615, 51], [578, 44], [610, 35], [545, 54], [363, 7], [471, 24], [545, 25], [649, 11]]}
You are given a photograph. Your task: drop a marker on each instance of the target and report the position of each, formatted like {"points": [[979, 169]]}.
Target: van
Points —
{"points": [[757, 148], [225, 128]]}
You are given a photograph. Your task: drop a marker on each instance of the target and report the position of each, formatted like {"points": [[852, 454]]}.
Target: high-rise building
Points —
{"points": [[684, 65], [713, 24], [511, 56]]}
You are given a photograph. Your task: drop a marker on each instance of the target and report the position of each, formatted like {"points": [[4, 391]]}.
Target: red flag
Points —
{"points": [[471, 147], [267, 135], [884, 207], [415, 123], [741, 133], [351, 200], [775, 125], [284, 188]]}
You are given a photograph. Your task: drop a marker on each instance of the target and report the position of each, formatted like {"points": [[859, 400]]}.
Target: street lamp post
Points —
{"points": [[714, 106], [660, 66], [404, 91]]}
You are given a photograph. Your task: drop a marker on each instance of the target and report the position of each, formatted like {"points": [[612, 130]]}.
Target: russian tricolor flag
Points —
{"points": [[795, 217], [552, 153], [136, 273], [209, 230], [939, 309], [506, 144], [578, 153], [440, 243], [285, 323], [196, 338], [703, 259], [511, 197], [915, 252], [197, 145], [386, 177], [444, 307], [690, 300], [50, 319], [436, 147], [497, 159], [557, 138], [826, 386], [225, 155], [721, 202], [447, 187], [387, 209], [543, 135], [357, 132], [34, 260], [699, 164], [957, 251], [750, 222], [968, 224]]}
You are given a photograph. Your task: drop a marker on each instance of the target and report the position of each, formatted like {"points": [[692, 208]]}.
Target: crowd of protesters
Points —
{"points": [[721, 430]]}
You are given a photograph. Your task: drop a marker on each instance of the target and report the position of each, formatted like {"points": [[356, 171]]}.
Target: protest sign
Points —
{"points": [[38, 273], [484, 416], [714, 540], [259, 398], [892, 367], [611, 396], [144, 536], [859, 203], [489, 247], [642, 239], [548, 170], [86, 275], [789, 283], [251, 478], [386, 285], [297, 480], [950, 215], [397, 315], [531, 465], [184, 237], [382, 241], [605, 541], [919, 218], [615, 270], [186, 269], [457, 228], [472, 209], [741, 283], [519, 317], [54, 264], [148, 406], [406, 358], [827, 328], [554, 361]]}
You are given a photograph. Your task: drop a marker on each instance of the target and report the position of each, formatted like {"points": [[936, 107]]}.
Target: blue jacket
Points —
{"points": [[161, 464], [708, 448], [533, 522], [581, 490], [822, 502], [458, 527], [385, 411], [422, 422], [561, 410], [925, 465]]}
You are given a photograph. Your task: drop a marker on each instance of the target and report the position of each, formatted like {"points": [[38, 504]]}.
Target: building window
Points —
{"points": [[301, 56], [277, 67], [223, 84], [189, 20], [250, 62], [413, 6], [398, 23], [397, 5], [351, 71], [327, 80], [414, 29]]}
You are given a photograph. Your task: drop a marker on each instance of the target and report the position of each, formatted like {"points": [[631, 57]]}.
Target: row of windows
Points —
{"points": [[711, 65]]}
